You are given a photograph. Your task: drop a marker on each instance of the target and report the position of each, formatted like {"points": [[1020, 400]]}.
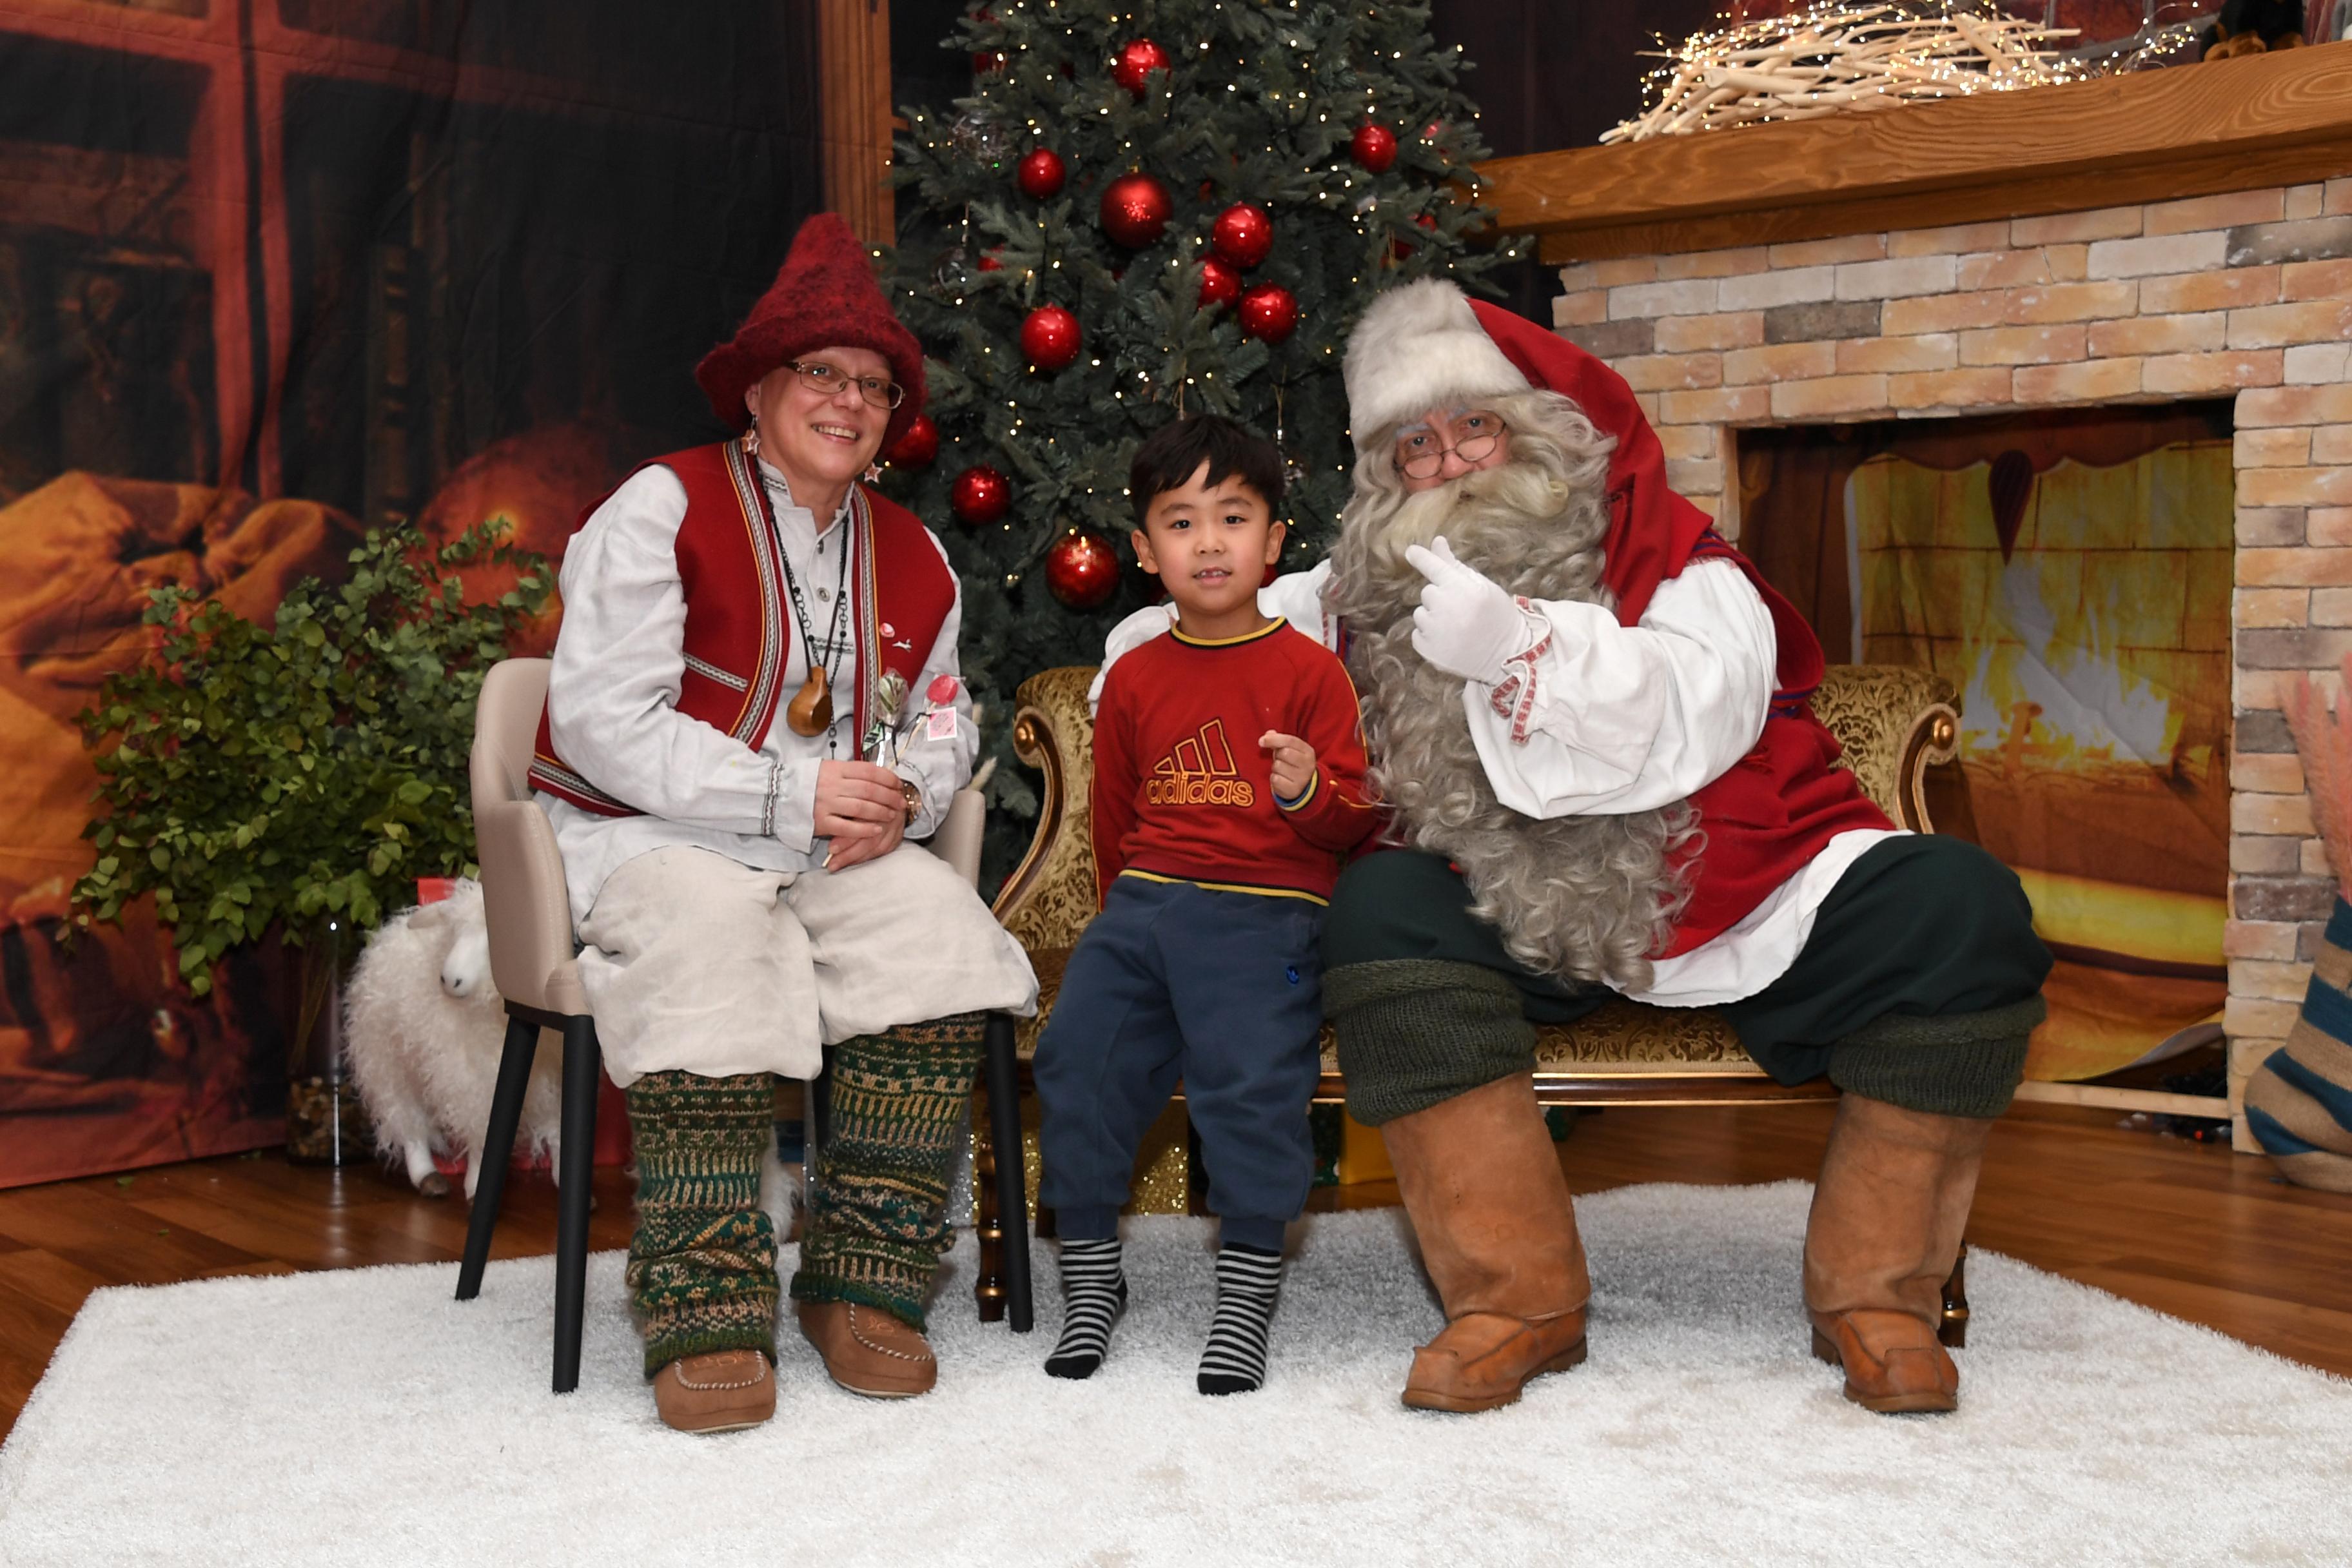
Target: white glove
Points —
{"points": [[1465, 626], [1130, 634]]}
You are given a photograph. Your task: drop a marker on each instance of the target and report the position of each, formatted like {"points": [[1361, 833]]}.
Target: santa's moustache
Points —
{"points": [[1584, 898]]}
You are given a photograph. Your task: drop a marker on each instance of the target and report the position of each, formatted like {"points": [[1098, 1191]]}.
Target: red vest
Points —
{"points": [[738, 618]]}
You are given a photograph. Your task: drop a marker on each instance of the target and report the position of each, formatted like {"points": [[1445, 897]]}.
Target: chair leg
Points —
{"points": [[988, 1220], [1953, 1332], [497, 1152], [1003, 1066], [582, 1075]]}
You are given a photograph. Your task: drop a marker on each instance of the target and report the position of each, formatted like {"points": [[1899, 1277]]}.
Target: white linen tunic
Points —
{"points": [[1631, 719], [712, 947]]}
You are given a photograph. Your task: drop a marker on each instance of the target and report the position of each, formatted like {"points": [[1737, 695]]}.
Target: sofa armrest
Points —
{"points": [[1895, 723], [1050, 896]]}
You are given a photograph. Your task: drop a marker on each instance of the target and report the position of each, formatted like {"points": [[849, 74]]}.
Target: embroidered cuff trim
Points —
{"points": [[1515, 695]]}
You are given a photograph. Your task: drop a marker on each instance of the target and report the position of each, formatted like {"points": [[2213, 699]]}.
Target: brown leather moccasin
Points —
{"points": [[867, 1351], [722, 1391]]}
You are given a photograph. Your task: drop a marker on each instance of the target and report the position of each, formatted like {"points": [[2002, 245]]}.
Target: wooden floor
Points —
{"points": [[2190, 1229]]}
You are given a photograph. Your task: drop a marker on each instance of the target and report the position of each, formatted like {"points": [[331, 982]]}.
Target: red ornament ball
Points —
{"points": [[1135, 210], [1243, 235], [1220, 284], [918, 447], [1082, 569], [1269, 312], [981, 496], [990, 261], [1050, 337], [1374, 147], [1135, 62], [1041, 175]]}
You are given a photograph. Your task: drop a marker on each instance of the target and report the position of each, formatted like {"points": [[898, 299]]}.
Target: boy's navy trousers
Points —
{"points": [[1175, 980]]}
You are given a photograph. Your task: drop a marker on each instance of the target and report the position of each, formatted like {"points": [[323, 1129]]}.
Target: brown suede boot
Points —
{"points": [[1888, 1212], [1482, 1185]]}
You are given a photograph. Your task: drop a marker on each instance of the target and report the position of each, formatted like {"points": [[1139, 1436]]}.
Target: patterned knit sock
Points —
{"points": [[702, 1263], [877, 1217], [1094, 1293], [1248, 1279]]}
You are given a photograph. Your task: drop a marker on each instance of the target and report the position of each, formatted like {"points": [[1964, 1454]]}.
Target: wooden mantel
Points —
{"points": [[2260, 119]]}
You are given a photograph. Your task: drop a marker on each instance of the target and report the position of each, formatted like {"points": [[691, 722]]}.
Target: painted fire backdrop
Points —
{"points": [[272, 271], [2071, 574]]}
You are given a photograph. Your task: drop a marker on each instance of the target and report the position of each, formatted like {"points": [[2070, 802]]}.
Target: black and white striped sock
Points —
{"points": [[1094, 1293], [1233, 1362]]}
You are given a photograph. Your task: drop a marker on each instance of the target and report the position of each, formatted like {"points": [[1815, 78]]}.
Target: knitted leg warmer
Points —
{"points": [[1414, 1032], [877, 1219], [702, 1264]]}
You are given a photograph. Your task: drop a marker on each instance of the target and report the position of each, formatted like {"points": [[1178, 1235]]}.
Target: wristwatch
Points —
{"points": [[913, 799]]}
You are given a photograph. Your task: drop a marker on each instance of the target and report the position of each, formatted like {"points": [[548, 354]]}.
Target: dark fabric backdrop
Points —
{"points": [[272, 271]]}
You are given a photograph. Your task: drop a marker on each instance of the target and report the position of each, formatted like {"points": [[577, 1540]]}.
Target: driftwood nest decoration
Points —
{"points": [[1836, 59]]}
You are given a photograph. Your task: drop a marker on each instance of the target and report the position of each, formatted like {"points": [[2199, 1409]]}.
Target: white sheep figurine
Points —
{"points": [[426, 1027]]}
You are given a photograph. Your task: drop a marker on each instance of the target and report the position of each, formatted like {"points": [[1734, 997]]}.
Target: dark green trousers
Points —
{"points": [[1919, 983]]}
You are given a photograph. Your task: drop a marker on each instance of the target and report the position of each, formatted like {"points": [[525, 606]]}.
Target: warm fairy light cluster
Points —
{"points": [[1831, 58]]}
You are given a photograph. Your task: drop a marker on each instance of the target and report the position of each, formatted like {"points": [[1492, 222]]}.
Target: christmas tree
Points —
{"points": [[1175, 205]]}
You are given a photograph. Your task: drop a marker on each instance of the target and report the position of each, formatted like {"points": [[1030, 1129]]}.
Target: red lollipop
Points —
{"points": [[1135, 210], [1040, 173], [1220, 284], [1269, 312], [918, 448], [1243, 235], [981, 496], [1134, 64], [1050, 337], [1082, 570], [1374, 147]]}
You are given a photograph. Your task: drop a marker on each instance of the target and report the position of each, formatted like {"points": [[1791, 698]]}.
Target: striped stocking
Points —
{"points": [[1094, 1293], [1248, 1279]]}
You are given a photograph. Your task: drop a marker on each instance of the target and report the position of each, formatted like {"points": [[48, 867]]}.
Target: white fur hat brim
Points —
{"points": [[1419, 347]]}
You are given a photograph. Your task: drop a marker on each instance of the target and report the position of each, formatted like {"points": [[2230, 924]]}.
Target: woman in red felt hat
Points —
{"points": [[1589, 715], [755, 703]]}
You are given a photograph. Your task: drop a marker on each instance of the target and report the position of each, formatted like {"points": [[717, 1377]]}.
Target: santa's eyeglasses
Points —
{"points": [[1471, 435], [827, 380]]}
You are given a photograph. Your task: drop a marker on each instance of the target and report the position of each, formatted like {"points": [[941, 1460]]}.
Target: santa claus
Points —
{"points": [[1588, 715]]}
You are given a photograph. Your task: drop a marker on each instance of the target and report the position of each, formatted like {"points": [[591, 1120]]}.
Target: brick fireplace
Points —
{"points": [[1858, 295]]}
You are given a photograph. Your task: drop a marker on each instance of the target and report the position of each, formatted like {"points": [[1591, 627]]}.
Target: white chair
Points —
{"points": [[532, 961]]}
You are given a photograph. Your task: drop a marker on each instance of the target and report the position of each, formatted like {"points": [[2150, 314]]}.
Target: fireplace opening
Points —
{"points": [[2070, 573]]}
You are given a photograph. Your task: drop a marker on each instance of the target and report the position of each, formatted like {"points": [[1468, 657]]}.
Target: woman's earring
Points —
{"points": [[873, 473], [751, 439]]}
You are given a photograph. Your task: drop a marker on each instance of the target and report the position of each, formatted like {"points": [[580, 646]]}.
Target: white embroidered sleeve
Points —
{"points": [[613, 693], [1599, 717]]}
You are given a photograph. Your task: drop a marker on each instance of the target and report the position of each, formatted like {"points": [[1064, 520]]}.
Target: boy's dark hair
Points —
{"points": [[1174, 452]]}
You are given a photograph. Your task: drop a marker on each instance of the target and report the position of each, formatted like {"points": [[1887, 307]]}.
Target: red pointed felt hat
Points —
{"points": [[825, 296]]}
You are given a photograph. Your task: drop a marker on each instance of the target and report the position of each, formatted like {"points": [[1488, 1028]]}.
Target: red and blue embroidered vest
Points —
{"points": [[739, 619]]}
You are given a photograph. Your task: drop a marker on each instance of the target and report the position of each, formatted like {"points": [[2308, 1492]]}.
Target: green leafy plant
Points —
{"points": [[301, 775]]}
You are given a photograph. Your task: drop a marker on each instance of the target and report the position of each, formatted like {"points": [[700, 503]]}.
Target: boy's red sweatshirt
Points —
{"points": [[1183, 791]]}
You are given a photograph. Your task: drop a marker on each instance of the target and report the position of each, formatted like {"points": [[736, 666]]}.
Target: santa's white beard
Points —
{"points": [[1584, 898]]}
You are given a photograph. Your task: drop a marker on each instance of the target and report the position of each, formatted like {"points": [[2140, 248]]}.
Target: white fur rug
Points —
{"points": [[364, 1417]]}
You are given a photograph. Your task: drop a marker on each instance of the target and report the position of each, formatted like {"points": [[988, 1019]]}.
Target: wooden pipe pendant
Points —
{"points": [[810, 712]]}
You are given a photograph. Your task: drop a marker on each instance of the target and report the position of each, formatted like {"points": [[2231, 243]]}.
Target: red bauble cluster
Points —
{"points": [[1374, 147], [1082, 569], [1041, 175], [1220, 284], [1135, 210], [981, 496], [1050, 337], [1269, 312], [1242, 235], [918, 447], [990, 261], [1134, 64]]}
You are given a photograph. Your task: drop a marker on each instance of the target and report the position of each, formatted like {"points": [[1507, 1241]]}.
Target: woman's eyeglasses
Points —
{"points": [[827, 380], [1471, 437]]}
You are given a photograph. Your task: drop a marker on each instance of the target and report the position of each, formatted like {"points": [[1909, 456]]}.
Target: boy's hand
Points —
{"points": [[1294, 762]]}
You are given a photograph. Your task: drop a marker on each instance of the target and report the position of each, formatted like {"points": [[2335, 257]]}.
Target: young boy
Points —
{"points": [[1229, 781]]}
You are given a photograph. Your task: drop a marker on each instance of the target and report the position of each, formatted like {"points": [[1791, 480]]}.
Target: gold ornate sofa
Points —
{"points": [[1893, 723]]}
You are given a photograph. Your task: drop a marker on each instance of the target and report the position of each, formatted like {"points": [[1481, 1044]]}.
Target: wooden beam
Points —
{"points": [[2101, 1097], [2257, 119], [854, 43]]}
